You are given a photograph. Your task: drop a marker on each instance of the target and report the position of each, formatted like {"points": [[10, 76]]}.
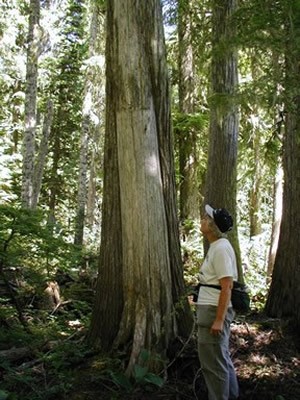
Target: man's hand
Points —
{"points": [[191, 301], [216, 328]]}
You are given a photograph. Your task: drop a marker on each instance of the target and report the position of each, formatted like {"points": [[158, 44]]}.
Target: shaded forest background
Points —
{"points": [[52, 133]]}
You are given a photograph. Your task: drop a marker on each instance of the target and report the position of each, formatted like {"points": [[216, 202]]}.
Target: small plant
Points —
{"points": [[141, 376], [6, 396]]}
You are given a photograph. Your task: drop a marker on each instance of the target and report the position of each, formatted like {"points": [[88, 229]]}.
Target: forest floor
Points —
{"points": [[265, 352]]}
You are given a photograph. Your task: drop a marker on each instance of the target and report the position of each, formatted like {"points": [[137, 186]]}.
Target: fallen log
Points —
{"points": [[15, 353]]}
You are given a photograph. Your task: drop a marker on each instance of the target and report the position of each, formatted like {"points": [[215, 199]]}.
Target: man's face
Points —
{"points": [[204, 224]]}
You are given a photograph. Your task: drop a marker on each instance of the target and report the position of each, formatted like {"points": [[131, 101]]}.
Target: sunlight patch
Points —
{"points": [[152, 164]]}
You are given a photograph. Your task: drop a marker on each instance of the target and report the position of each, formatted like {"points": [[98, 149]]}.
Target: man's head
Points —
{"points": [[221, 218]]}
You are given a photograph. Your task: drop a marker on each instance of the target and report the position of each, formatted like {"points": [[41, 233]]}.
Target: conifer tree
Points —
{"points": [[140, 278], [30, 102], [224, 120], [66, 89]]}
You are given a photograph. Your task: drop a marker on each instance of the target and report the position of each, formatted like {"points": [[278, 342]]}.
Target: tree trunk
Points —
{"points": [[224, 123], [54, 183], [92, 110], [30, 103], [188, 158], [43, 151], [97, 129], [140, 273], [255, 191], [258, 167], [283, 299], [82, 180], [91, 194], [277, 213], [66, 87]]}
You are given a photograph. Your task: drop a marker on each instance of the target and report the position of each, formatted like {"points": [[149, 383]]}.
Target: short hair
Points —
{"points": [[216, 231]]}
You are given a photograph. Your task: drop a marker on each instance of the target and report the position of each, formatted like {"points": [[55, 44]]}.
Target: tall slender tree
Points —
{"points": [[283, 299], [66, 88], [224, 122], [140, 272], [30, 102], [42, 154], [92, 112], [189, 199], [277, 214]]}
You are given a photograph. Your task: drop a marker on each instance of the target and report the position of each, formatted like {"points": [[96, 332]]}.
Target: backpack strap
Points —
{"points": [[213, 286]]}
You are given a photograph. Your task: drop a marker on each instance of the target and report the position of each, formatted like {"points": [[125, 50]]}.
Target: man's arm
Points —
{"points": [[226, 284]]}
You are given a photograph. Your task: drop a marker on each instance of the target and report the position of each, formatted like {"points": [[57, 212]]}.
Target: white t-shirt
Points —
{"points": [[219, 262]]}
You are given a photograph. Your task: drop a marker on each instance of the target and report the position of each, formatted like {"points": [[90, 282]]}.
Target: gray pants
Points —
{"points": [[213, 351]]}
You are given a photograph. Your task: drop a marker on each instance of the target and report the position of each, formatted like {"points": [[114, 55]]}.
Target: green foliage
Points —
{"points": [[141, 376], [121, 380], [63, 82], [56, 347], [186, 122], [15, 337], [192, 253], [30, 256], [26, 240], [261, 24], [64, 356], [100, 3], [6, 395], [35, 383], [31, 252], [191, 129]]}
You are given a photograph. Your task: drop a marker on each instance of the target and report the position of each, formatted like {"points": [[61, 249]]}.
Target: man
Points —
{"points": [[214, 308]]}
